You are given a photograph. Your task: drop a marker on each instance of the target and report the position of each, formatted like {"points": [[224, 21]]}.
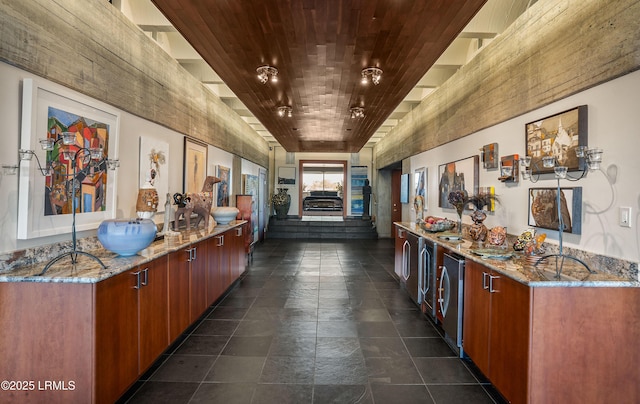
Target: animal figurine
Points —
{"points": [[196, 202]]}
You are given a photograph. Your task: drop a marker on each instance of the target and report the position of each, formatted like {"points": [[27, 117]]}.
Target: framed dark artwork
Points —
{"points": [[287, 175], [404, 188], [195, 165], [459, 175], [543, 208], [558, 136]]}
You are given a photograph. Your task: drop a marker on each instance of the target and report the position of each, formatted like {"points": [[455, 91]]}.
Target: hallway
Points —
{"points": [[313, 322]]}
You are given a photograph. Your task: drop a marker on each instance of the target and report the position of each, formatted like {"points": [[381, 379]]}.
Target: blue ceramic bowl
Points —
{"points": [[126, 237]]}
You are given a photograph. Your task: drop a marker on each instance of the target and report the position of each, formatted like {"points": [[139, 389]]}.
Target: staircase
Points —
{"points": [[321, 228]]}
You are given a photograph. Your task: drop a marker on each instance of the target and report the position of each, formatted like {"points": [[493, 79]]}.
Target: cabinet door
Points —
{"points": [[179, 314], [198, 280], [154, 311], [116, 349], [240, 249], [509, 337], [223, 261], [477, 304]]}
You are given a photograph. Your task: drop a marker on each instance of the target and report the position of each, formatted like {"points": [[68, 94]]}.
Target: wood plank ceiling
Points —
{"points": [[320, 48]]}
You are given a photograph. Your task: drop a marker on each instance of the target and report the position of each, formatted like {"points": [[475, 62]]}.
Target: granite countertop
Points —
{"points": [[521, 269], [88, 270]]}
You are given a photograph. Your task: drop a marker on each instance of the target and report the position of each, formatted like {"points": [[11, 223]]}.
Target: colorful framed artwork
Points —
{"points": [[558, 136], [45, 200], [543, 208], [459, 175], [224, 186], [420, 184], [154, 163], [195, 165]]}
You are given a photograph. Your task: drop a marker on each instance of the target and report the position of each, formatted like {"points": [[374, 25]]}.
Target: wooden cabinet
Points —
{"points": [[245, 205], [496, 328], [104, 335], [116, 335], [179, 298], [131, 326], [198, 280], [153, 311]]}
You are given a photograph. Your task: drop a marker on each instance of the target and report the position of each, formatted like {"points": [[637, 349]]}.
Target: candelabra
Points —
{"points": [[83, 160], [592, 158]]}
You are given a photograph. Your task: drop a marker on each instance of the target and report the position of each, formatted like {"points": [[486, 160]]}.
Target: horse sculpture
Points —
{"points": [[195, 202]]}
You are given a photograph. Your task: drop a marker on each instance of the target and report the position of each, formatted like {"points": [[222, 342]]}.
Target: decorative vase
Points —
{"points": [[478, 231], [281, 202], [147, 203]]}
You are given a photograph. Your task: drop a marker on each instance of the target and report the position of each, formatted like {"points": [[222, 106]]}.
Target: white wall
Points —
{"points": [[613, 123], [365, 157], [130, 130]]}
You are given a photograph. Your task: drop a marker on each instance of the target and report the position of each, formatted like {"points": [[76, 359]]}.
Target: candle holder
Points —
{"points": [[593, 159], [83, 161]]}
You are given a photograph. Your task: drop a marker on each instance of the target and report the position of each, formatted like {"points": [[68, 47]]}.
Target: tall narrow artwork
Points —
{"points": [[154, 158], [195, 165], [224, 173]]}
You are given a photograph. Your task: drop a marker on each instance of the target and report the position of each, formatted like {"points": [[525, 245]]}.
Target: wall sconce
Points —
{"points": [[357, 112], [285, 111], [509, 168], [9, 169], [371, 73], [266, 72]]}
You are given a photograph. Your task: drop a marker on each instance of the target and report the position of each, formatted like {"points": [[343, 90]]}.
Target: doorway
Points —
{"points": [[322, 189]]}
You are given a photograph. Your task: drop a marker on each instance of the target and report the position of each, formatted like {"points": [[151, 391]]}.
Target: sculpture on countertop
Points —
{"points": [[195, 202]]}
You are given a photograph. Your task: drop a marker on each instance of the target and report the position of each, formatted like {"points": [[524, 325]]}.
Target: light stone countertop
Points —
{"points": [[522, 270], [87, 270]]}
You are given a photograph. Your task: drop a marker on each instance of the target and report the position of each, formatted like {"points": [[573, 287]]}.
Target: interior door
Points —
{"points": [[396, 207]]}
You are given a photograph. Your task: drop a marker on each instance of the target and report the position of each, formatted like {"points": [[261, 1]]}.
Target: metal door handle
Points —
{"points": [[137, 275], [145, 272], [484, 280], [491, 278]]}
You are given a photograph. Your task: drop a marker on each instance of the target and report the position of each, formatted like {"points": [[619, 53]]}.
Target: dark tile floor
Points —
{"points": [[314, 322]]}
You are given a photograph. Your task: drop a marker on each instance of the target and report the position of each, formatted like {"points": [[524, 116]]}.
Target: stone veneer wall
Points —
{"points": [[91, 47], [555, 49]]}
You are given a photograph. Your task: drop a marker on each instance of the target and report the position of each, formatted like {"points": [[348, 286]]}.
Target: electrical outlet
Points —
{"points": [[625, 216]]}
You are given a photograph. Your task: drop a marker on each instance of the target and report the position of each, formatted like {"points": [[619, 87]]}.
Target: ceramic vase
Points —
{"points": [[147, 203], [281, 202], [478, 231]]}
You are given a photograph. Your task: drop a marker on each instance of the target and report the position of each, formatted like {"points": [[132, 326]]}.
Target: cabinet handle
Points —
{"points": [[220, 241], [401, 233], [484, 280], [491, 278], [137, 275], [145, 272], [190, 255], [195, 252], [238, 231]]}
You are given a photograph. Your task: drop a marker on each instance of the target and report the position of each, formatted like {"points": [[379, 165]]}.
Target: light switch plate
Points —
{"points": [[625, 216]]}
